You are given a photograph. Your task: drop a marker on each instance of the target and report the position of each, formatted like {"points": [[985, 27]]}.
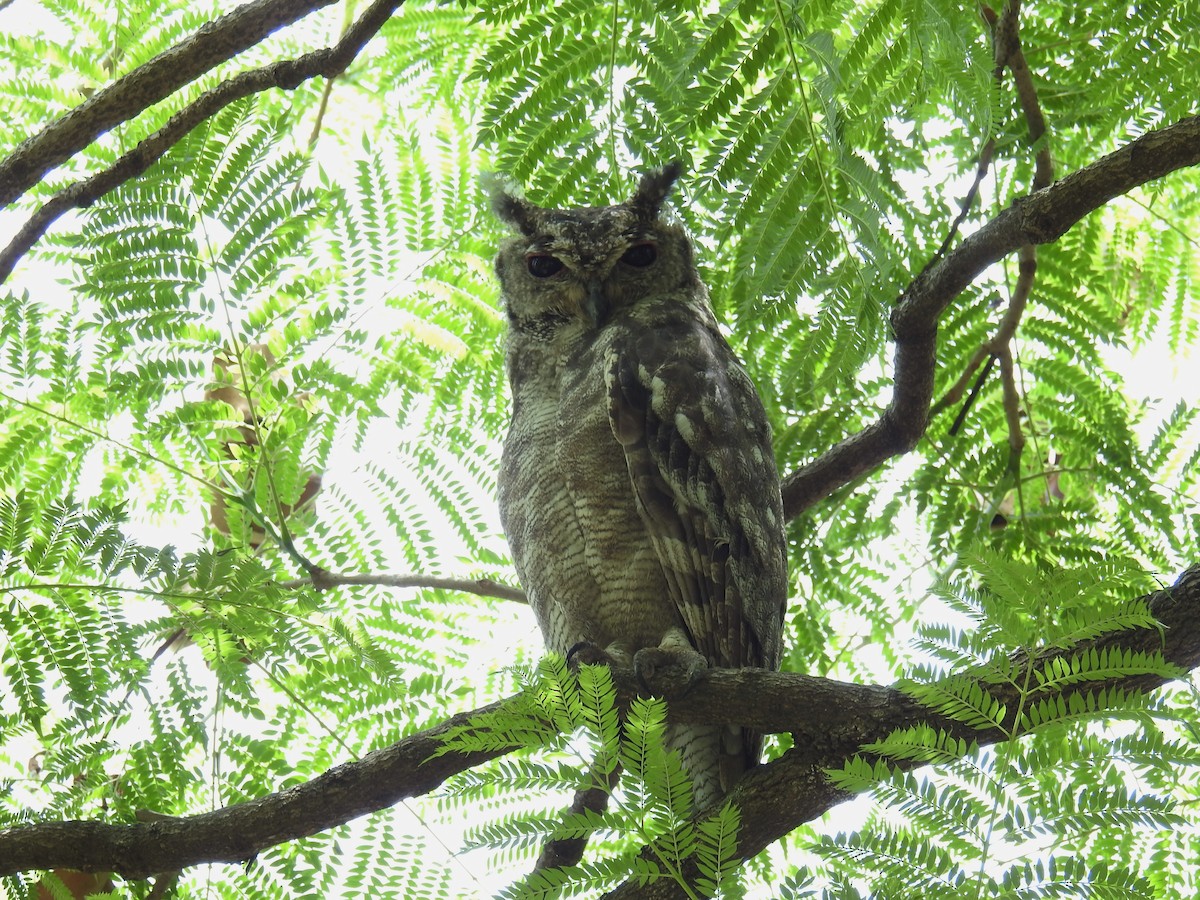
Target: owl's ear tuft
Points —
{"points": [[654, 189], [509, 203]]}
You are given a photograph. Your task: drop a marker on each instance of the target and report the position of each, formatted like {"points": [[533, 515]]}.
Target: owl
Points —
{"points": [[638, 488]]}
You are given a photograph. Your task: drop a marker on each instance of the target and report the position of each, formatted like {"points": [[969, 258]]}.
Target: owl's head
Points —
{"points": [[586, 265]]}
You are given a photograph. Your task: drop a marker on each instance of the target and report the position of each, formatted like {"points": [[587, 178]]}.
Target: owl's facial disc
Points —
{"points": [[594, 281], [603, 289]]}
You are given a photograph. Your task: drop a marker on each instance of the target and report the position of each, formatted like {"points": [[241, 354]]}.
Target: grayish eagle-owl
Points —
{"points": [[638, 489]]}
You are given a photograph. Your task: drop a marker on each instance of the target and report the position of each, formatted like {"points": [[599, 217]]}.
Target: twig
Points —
{"points": [[481, 587], [1009, 54], [327, 91], [966, 407], [1000, 53], [321, 108], [981, 169]]}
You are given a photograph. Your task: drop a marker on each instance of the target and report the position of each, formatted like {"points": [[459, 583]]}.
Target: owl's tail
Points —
{"points": [[714, 756]]}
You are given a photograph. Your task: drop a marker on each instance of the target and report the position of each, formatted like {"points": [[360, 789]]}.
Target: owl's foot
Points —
{"points": [[669, 671]]}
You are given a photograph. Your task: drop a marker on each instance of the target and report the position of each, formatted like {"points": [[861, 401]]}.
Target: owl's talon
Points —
{"points": [[669, 672], [585, 653]]}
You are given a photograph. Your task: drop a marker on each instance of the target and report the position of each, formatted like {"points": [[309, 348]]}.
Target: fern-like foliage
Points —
{"points": [[324, 254], [573, 720], [145, 676], [1033, 815]]}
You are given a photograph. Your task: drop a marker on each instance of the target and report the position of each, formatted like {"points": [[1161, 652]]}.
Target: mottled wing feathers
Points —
{"points": [[697, 445]]}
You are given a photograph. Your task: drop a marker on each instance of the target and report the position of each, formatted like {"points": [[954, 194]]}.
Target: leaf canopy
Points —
{"points": [[323, 254]]}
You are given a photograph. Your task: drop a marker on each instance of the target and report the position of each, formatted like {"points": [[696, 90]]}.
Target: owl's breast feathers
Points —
{"points": [[577, 540], [697, 446]]}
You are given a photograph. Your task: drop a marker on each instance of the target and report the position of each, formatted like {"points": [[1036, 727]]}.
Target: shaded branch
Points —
{"points": [[828, 719], [1039, 218], [287, 74], [560, 852], [1012, 413]]}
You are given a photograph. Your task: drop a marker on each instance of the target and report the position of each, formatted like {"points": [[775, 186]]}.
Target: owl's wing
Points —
{"points": [[698, 447]]}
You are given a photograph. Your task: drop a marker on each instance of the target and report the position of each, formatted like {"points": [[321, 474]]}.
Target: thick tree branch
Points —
{"points": [[329, 62], [130, 95], [1039, 218], [829, 721], [238, 833]]}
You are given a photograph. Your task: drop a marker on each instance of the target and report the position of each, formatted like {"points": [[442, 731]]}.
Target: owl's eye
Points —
{"points": [[640, 255], [543, 265]]}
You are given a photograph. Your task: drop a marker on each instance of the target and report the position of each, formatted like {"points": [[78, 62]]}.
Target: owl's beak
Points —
{"points": [[595, 304]]}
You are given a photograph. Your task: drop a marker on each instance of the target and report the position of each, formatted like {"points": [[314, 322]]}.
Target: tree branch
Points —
{"points": [[130, 95], [329, 61], [481, 587], [1007, 52], [238, 833], [830, 720], [1039, 218]]}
